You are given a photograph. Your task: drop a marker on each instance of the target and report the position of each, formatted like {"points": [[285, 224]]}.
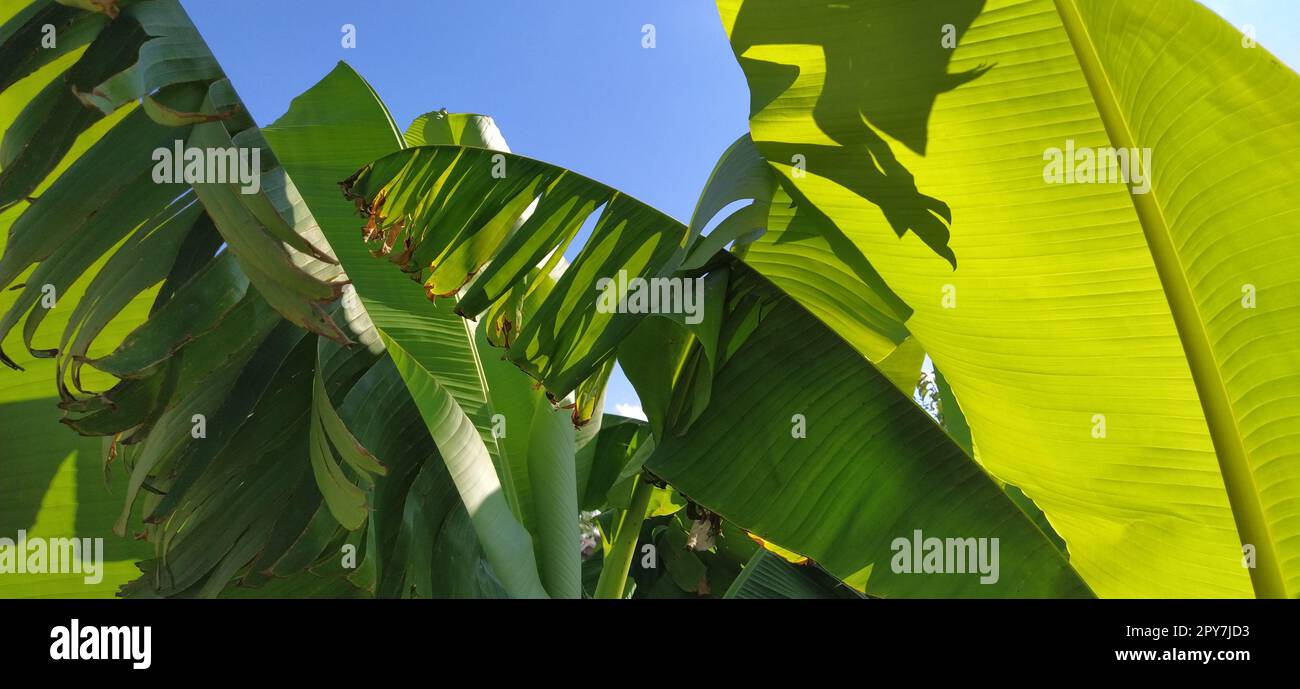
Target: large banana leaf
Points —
{"points": [[823, 455], [1125, 358]]}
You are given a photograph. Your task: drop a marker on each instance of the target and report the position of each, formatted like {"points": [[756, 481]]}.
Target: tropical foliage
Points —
{"points": [[378, 375]]}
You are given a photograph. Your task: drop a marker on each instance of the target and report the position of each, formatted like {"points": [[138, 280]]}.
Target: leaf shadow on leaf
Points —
{"points": [[34, 454], [884, 70], [810, 220]]}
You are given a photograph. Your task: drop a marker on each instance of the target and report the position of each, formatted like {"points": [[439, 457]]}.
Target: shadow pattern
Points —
{"points": [[886, 63]]}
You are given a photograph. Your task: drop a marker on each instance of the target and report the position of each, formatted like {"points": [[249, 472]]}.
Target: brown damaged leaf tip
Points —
{"points": [[172, 117], [108, 7], [433, 294], [373, 232], [403, 260]]}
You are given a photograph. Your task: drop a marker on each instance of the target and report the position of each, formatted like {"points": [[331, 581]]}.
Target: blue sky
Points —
{"points": [[567, 81], [1276, 24]]}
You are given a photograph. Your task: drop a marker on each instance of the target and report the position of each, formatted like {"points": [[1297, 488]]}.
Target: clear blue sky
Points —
{"points": [[566, 80]]}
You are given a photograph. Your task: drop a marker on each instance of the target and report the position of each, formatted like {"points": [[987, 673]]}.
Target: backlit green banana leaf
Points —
{"points": [[1124, 353]]}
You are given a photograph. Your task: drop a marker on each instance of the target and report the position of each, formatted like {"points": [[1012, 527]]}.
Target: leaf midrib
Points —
{"points": [[1234, 464]]}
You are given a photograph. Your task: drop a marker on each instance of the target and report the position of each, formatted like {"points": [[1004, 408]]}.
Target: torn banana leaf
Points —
{"points": [[234, 484], [24, 39], [49, 124], [173, 53], [105, 172], [246, 226], [128, 213], [330, 437], [197, 307], [441, 213]]}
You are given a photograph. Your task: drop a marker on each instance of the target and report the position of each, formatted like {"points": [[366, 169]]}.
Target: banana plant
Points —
{"points": [[269, 321], [379, 375], [419, 240], [1122, 350]]}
